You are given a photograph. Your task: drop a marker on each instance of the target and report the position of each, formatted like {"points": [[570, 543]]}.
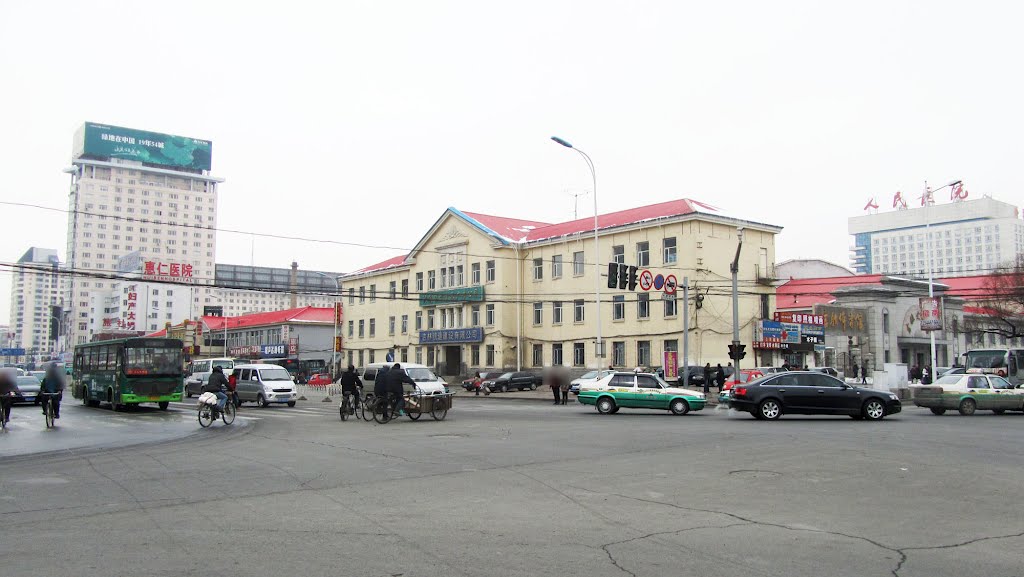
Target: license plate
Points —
{"points": [[30, 397], [154, 398]]}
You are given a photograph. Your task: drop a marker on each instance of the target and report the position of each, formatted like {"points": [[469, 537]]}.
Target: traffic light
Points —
{"points": [[623, 276], [698, 301], [613, 275], [632, 278], [737, 352]]}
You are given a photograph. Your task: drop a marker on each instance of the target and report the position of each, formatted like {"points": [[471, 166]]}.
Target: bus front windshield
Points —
{"points": [[152, 361], [986, 359]]}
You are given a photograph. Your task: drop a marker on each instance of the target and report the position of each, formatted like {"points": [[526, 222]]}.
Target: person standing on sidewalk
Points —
{"points": [[564, 382], [552, 381], [707, 377]]}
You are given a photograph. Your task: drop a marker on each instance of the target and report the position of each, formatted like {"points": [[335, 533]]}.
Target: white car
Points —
{"points": [[969, 393], [425, 378], [587, 379]]}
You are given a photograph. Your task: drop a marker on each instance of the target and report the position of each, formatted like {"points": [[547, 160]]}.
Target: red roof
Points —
{"points": [[621, 218], [391, 262], [158, 334], [807, 292], [299, 315], [968, 287], [514, 229]]}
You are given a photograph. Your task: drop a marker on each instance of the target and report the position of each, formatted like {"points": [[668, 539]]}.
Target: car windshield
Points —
{"points": [[986, 359], [589, 375], [661, 382], [223, 364], [949, 380], [153, 361], [278, 374], [421, 375], [506, 376], [28, 382]]}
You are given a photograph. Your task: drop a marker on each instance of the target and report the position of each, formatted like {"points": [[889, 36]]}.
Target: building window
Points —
{"points": [[556, 266], [556, 354], [419, 355], [361, 325], [578, 314], [430, 319], [351, 296], [490, 355], [489, 315], [419, 282], [538, 355], [405, 288], [619, 354], [392, 289], [671, 306], [351, 324], [474, 271], [391, 325], [885, 321], [474, 316], [668, 247], [538, 269], [643, 254], [474, 355], [419, 320], [671, 346], [373, 293], [362, 294], [643, 306], [372, 354], [618, 307], [430, 356], [577, 263], [490, 272], [431, 280], [538, 313], [579, 354], [460, 279], [619, 254], [643, 353], [405, 354], [373, 328], [556, 312]]}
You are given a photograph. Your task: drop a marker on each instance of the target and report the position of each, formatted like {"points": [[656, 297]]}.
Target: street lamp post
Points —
{"points": [[597, 250], [928, 236]]}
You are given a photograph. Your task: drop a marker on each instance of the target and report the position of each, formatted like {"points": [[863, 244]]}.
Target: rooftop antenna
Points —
{"points": [[576, 201]]}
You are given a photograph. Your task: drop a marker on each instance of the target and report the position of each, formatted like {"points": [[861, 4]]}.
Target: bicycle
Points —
{"points": [[349, 408], [5, 409], [366, 407], [209, 413], [384, 408], [48, 408]]}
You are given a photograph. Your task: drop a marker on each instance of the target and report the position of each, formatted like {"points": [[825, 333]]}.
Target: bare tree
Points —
{"points": [[1001, 303]]}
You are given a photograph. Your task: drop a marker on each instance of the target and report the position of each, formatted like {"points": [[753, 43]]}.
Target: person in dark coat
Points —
{"points": [[720, 377], [552, 382], [397, 379], [864, 374], [707, 377], [53, 383], [8, 391], [380, 382], [217, 384], [351, 385]]}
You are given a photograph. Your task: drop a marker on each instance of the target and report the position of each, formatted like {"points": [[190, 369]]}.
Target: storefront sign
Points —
{"points": [[800, 318], [771, 331], [452, 296], [931, 313], [767, 345], [670, 361], [472, 335], [843, 320], [143, 145], [274, 351], [167, 271], [790, 333], [245, 351], [214, 311], [337, 313]]}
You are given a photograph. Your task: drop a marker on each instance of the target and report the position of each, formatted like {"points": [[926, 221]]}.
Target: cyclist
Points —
{"points": [[53, 383], [396, 378], [216, 385], [351, 386], [233, 387], [8, 391]]}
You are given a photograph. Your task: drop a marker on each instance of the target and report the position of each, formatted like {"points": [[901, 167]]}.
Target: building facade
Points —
{"points": [[250, 289], [36, 304], [968, 237], [480, 292], [140, 193], [300, 339]]}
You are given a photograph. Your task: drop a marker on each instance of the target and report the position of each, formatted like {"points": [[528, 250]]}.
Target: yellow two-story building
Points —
{"points": [[488, 293]]}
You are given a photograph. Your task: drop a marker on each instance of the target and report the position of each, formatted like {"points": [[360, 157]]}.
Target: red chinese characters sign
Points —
{"points": [[174, 271], [126, 322], [800, 318]]}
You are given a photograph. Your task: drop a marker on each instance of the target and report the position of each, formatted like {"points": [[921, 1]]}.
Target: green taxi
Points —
{"points": [[639, 391]]}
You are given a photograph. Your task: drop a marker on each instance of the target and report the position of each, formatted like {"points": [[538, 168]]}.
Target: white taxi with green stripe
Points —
{"points": [[969, 393], [639, 391]]}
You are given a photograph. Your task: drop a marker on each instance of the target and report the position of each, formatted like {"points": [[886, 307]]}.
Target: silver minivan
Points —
{"points": [[264, 384]]}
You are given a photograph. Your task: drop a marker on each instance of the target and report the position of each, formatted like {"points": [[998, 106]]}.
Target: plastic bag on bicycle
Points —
{"points": [[207, 399]]}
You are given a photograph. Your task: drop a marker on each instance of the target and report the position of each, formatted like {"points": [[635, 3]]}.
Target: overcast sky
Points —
{"points": [[363, 121]]}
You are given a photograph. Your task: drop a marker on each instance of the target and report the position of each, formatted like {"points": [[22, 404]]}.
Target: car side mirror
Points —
{"points": [[844, 386]]}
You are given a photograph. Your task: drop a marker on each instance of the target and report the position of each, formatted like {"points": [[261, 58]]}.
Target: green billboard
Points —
{"points": [[102, 140]]}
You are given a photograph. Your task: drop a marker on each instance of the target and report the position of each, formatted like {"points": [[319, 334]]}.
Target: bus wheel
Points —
{"points": [[163, 405]]}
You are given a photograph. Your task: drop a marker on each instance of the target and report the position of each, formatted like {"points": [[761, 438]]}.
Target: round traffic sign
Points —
{"points": [[659, 281], [670, 284], [646, 280]]}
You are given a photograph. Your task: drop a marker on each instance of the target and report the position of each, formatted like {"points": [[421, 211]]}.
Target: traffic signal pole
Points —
{"points": [[686, 332], [735, 268]]}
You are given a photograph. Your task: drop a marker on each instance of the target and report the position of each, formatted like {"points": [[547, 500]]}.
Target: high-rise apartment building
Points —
{"points": [[35, 302], [969, 237], [141, 193]]}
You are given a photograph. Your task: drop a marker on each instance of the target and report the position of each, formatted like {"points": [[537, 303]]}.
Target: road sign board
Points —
{"points": [[646, 280], [670, 284], [12, 352], [659, 281], [668, 296]]}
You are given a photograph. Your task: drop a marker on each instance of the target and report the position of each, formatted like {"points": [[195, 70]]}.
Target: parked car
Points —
{"points": [[770, 370], [586, 378], [969, 392], [521, 380], [264, 384], [811, 393], [319, 380], [468, 383], [639, 391], [745, 376], [29, 387], [696, 377]]}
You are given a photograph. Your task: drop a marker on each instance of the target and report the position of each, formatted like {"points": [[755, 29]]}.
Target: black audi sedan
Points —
{"points": [[811, 393]]}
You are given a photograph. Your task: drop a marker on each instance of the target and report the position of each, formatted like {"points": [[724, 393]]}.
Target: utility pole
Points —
{"points": [[575, 202], [686, 331], [735, 268]]}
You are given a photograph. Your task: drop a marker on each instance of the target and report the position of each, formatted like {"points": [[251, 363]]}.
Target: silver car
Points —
{"points": [[264, 384], [29, 387]]}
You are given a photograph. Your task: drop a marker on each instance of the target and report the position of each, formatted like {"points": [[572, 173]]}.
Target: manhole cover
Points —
{"points": [[448, 436], [754, 474]]}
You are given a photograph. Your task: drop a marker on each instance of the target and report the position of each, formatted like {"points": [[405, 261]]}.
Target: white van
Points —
{"points": [[200, 373], [264, 384], [425, 378]]}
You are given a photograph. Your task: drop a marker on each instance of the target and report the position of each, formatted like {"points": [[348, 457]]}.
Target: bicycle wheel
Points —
{"points": [[205, 416], [439, 409], [344, 410], [48, 410], [382, 411], [228, 414], [366, 408]]}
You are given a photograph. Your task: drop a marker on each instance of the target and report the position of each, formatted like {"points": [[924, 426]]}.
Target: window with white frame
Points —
{"points": [[643, 254], [618, 307], [578, 312], [489, 315], [579, 354], [556, 312], [538, 313], [556, 266], [668, 250], [538, 269], [577, 263]]}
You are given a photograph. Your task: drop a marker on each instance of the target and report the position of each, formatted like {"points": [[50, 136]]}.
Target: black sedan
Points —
{"points": [[516, 380], [811, 393]]}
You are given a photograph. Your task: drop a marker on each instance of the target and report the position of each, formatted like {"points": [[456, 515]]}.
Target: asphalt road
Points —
{"points": [[523, 488]]}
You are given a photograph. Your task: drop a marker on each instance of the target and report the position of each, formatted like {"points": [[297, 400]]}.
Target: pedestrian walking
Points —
{"points": [[856, 371], [926, 375], [720, 377], [564, 382], [552, 381], [864, 374], [707, 377]]}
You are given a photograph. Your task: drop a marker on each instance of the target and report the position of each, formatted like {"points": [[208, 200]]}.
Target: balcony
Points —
{"points": [[765, 274]]}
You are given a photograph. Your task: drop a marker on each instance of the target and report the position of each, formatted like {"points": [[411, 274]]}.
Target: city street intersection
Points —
{"points": [[507, 486]]}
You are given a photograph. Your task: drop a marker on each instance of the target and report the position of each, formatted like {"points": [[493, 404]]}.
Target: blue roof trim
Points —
{"points": [[479, 225]]}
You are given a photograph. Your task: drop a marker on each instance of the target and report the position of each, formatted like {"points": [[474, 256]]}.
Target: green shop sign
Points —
{"points": [[151, 147], [452, 296]]}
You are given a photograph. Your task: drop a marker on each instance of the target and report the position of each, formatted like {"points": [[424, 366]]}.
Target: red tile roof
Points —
{"points": [[514, 229], [158, 334], [807, 292], [391, 262], [968, 287], [299, 315], [668, 209]]}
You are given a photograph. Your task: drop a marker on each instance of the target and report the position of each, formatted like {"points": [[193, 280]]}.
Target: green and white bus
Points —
{"points": [[127, 372]]}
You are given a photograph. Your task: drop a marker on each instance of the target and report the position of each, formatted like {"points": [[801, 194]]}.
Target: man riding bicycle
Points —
{"points": [[351, 386], [52, 389], [8, 392], [396, 378], [216, 384]]}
